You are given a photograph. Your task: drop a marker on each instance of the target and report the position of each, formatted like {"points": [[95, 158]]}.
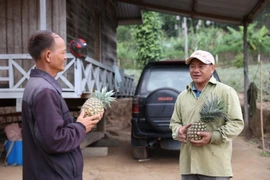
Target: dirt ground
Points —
{"points": [[247, 163]]}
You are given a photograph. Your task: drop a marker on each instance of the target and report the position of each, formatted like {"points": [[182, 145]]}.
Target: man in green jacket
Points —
{"points": [[210, 157]]}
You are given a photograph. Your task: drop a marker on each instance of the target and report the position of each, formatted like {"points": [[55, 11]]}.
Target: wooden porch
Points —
{"points": [[79, 79]]}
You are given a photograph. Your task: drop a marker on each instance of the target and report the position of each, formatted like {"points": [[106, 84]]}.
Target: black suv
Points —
{"points": [[158, 87]]}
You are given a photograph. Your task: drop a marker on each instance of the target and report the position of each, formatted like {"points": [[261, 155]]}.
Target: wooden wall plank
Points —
{"points": [[108, 33], [25, 32], [55, 14], [49, 17], [63, 19], [17, 26], [33, 13], [25, 25], [17, 35], [10, 29], [3, 26], [3, 38], [59, 17], [58, 26]]}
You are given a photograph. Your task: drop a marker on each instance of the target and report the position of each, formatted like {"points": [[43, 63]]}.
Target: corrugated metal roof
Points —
{"points": [[128, 14], [225, 11]]}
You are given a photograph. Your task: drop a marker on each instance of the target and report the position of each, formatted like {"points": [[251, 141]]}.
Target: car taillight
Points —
{"points": [[136, 103]]}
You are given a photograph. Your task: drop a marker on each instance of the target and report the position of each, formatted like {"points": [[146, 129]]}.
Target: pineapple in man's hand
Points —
{"points": [[98, 102], [212, 115]]}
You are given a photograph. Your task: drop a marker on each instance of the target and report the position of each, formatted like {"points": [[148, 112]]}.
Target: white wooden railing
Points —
{"points": [[80, 77]]}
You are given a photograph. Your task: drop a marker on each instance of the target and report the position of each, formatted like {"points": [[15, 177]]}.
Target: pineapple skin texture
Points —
{"points": [[92, 106], [194, 129]]}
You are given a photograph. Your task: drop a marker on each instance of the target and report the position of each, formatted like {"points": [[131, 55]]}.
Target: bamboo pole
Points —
{"points": [[261, 108]]}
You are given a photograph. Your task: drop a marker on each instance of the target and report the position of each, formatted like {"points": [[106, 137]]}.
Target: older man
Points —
{"points": [[51, 137], [210, 157]]}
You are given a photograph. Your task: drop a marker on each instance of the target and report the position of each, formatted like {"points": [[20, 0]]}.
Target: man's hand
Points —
{"points": [[206, 138], [89, 122], [182, 133]]}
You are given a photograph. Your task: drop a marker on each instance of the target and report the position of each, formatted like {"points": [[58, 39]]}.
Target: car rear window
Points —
{"points": [[175, 77]]}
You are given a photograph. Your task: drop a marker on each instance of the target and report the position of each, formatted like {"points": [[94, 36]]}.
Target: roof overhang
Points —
{"points": [[128, 14], [223, 11]]}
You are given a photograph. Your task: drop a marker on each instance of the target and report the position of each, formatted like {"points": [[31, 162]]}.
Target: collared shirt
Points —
{"points": [[213, 159], [194, 89]]}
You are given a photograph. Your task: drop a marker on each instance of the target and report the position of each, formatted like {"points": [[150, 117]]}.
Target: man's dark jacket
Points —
{"points": [[51, 138]]}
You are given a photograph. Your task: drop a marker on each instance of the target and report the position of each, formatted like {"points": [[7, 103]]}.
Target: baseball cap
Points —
{"points": [[204, 56]]}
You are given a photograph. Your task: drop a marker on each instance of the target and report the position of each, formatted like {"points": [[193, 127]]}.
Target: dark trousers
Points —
{"points": [[201, 177]]}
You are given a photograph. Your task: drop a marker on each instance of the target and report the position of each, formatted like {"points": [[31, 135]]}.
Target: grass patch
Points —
{"points": [[265, 154], [234, 77]]}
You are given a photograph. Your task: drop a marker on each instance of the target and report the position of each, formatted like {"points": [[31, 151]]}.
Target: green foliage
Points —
{"points": [[209, 39], [260, 41], [265, 154], [126, 48], [148, 38], [169, 25], [234, 39], [157, 39], [238, 61], [232, 42], [126, 55], [173, 49], [257, 39], [124, 33]]}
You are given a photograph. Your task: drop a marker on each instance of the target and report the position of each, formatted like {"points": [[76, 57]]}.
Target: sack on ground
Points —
{"points": [[13, 132]]}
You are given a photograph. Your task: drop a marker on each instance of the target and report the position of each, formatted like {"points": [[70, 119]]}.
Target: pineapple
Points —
{"points": [[212, 116], [98, 102]]}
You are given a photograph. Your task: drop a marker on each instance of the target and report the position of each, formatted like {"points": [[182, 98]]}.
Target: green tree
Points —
{"points": [[173, 48], [126, 48], [208, 39], [168, 26], [257, 38], [148, 38]]}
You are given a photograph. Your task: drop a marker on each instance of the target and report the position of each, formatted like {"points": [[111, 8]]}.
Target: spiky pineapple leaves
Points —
{"points": [[104, 97], [212, 115], [212, 109]]}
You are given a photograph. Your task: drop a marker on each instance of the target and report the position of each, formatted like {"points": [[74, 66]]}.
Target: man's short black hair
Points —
{"points": [[38, 42]]}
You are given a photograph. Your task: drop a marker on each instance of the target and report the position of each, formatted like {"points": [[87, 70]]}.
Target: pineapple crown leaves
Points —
{"points": [[212, 109], [104, 97]]}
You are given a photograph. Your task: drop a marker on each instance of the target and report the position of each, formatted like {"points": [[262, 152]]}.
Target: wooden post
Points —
{"points": [[262, 133], [186, 37], [42, 6]]}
